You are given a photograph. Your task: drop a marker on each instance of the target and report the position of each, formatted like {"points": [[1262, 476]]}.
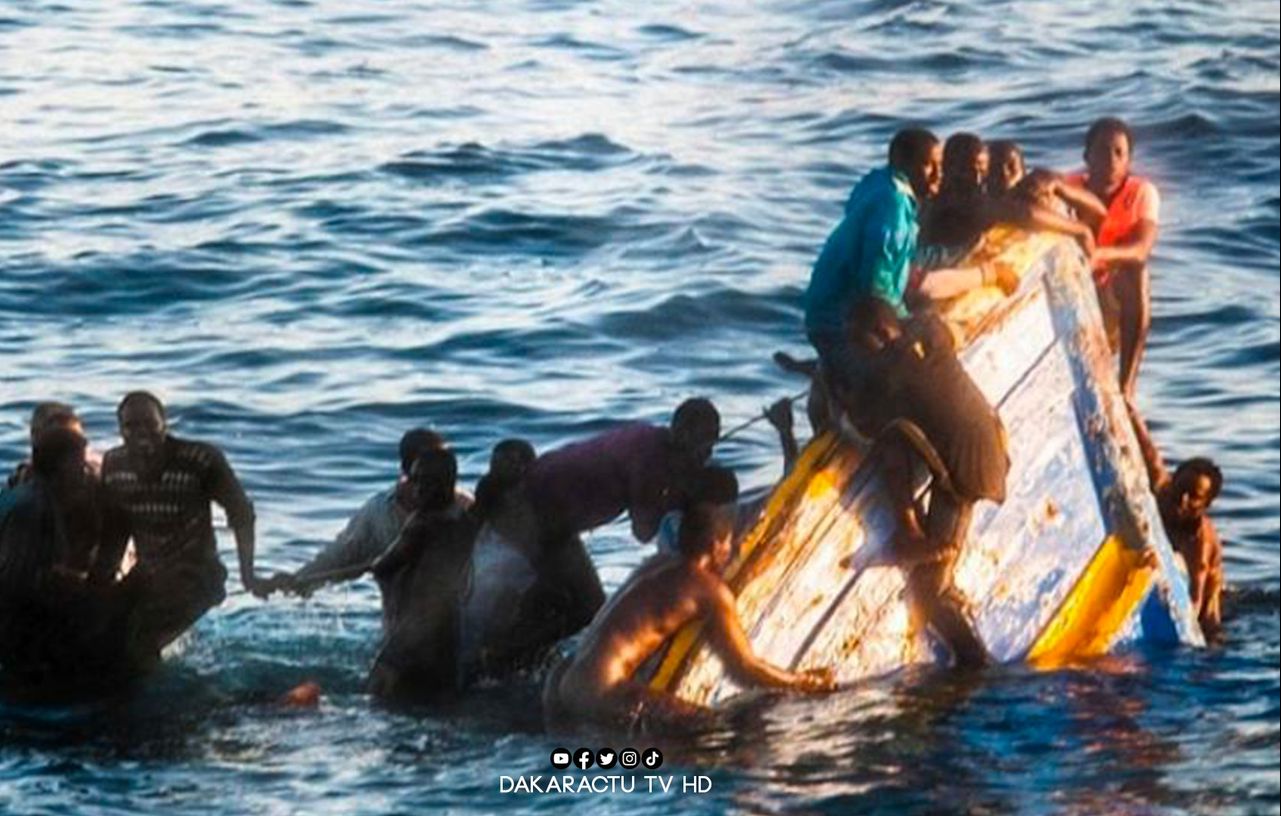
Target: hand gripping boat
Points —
{"points": [[1055, 574]]}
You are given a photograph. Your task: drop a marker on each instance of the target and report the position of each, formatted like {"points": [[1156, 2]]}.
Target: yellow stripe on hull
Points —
{"points": [[1098, 607]]}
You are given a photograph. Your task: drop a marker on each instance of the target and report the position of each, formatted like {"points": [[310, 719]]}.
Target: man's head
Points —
{"points": [[707, 531], [510, 460], [872, 323], [1109, 145], [1036, 188], [141, 416], [58, 457], [917, 154], [965, 162], [434, 476], [695, 427], [49, 415], [1196, 484], [1005, 158], [416, 442]]}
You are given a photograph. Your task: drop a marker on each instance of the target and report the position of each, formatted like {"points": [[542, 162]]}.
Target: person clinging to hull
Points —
{"points": [[1126, 232], [164, 486], [638, 468], [599, 683], [1184, 498]]}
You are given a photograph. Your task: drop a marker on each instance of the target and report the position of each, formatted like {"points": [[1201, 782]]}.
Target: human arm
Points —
{"points": [[943, 284], [1084, 203], [1158, 476], [225, 490], [400, 553], [888, 245], [111, 545], [730, 643], [366, 535]]}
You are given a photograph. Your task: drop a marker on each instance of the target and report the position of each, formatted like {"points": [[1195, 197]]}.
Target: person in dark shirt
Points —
{"points": [[164, 486], [47, 416], [424, 576], [63, 622], [919, 399], [637, 468]]}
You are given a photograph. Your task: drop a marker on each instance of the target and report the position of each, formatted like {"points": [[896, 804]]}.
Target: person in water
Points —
{"points": [[1125, 229], [598, 684], [504, 629], [164, 486], [47, 416], [63, 622], [920, 402], [372, 529], [638, 468], [1184, 499], [423, 576]]}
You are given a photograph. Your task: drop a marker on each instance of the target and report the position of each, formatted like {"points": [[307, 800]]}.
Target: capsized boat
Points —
{"points": [[1062, 571]]}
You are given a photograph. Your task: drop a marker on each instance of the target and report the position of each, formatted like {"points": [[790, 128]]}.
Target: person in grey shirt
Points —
{"points": [[372, 529]]}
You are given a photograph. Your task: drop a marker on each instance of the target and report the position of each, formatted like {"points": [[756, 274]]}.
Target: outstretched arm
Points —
{"points": [[1158, 476], [1087, 205], [731, 645], [226, 490]]}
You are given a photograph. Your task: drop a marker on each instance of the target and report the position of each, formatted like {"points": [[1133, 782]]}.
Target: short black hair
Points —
{"points": [[959, 152], [414, 443], [1001, 149], [910, 146], [697, 417], [519, 449], [1108, 126], [701, 524], [436, 476], [53, 447], [1201, 466], [140, 397]]}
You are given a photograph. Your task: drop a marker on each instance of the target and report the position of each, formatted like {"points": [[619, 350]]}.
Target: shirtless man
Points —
{"points": [[423, 577], [599, 685], [1184, 500]]}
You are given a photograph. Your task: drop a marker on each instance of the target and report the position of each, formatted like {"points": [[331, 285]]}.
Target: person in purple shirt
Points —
{"points": [[639, 469]]}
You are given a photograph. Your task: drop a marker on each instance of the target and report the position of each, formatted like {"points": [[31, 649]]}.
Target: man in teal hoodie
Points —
{"points": [[870, 251]]}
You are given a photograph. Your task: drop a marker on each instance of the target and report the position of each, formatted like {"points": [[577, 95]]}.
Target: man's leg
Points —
{"points": [[1132, 289], [931, 584]]}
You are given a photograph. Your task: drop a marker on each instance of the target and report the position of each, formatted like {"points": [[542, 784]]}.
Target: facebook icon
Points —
{"points": [[583, 758]]}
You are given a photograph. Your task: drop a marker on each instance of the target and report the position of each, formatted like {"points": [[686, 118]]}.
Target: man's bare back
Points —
{"points": [[664, 594]]}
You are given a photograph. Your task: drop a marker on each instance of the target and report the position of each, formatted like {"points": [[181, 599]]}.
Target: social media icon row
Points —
{"points": [[585, 758]]}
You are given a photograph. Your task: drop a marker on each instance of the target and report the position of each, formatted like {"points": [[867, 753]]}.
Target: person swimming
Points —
{"points": [[599, 683]]}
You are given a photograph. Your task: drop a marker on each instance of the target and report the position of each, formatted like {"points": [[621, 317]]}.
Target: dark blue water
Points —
{"points": [[311, 224]]}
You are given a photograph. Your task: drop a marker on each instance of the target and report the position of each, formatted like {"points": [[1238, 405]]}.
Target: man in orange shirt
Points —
{"points": [[1125, 236]]}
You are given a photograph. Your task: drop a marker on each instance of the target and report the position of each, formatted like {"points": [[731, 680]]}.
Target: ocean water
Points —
{"points": [[310, 225]]}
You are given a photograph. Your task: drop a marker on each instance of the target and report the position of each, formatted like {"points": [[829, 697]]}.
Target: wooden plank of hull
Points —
{"points": [[1054, 574]]}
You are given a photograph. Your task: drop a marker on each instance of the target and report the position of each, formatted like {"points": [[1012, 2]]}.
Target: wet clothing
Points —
{"points": [[590, 483], [57, 629], [500, 576], [924, 382], [424, 576], [931, 586], [171, 523], [869, 253], [367, 535]]}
